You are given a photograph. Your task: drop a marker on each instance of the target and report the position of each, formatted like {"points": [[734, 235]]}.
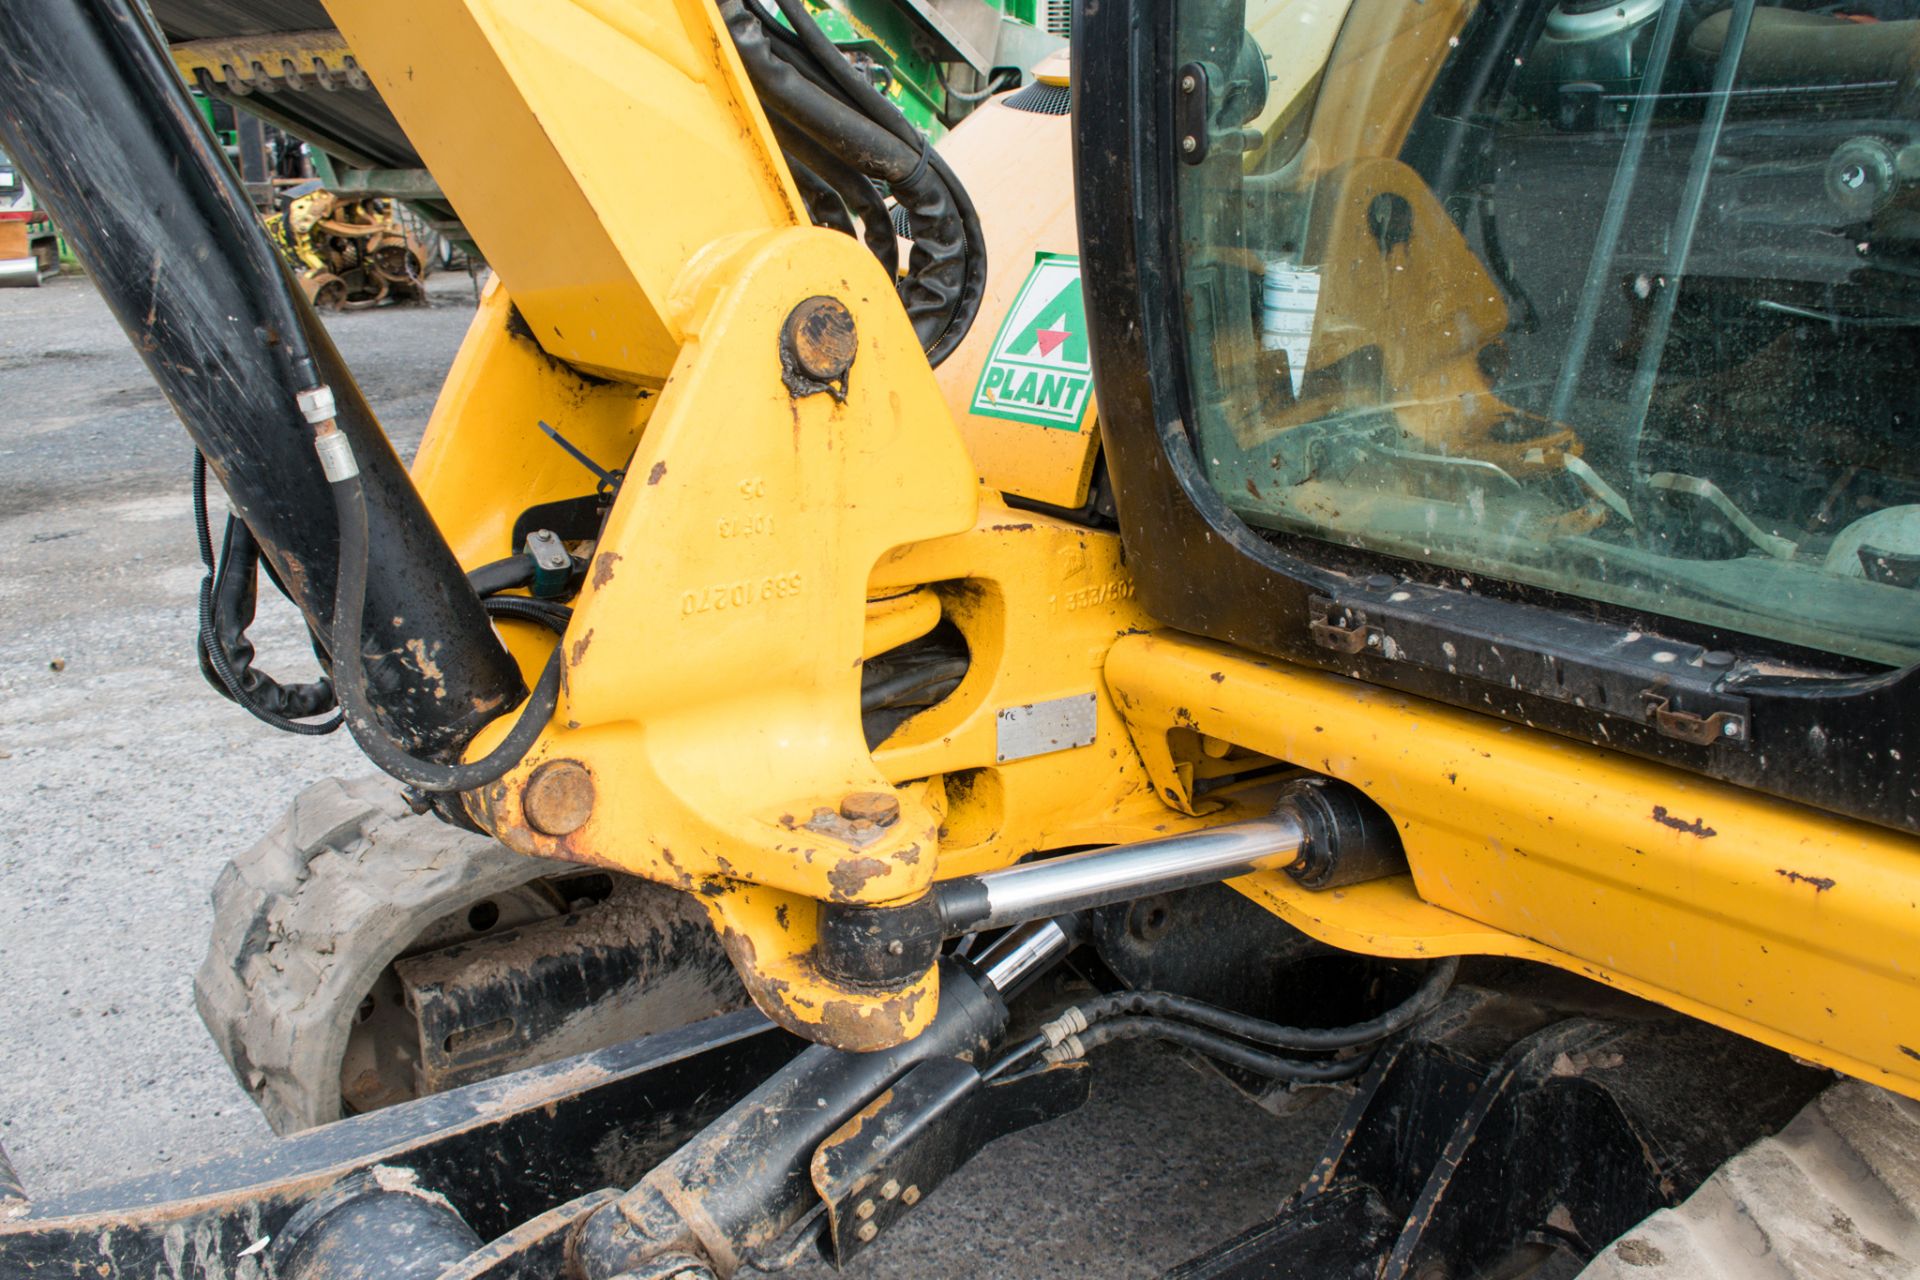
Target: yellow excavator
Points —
{"points": [[1374, 533]]}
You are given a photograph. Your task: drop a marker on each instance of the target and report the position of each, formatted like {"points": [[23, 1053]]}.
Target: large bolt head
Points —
{"points": [[558, 799], [820, 336], [881, 808]]}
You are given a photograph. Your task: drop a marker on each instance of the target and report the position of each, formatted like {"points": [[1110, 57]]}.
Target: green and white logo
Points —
{"points": [[1039, 370]]}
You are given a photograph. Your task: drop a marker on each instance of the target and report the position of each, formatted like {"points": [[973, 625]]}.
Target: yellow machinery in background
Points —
{"points": [[1382, 460], [348, 253]]}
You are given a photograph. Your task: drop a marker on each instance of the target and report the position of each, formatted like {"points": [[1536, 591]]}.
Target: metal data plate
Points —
{"points": [[1039, 727]]}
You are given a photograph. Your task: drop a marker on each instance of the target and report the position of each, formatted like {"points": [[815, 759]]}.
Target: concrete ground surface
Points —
{"points": [[125, 784]]}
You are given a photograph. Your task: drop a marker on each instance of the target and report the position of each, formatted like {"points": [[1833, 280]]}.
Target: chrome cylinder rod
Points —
{"points": [[1103, 876], [1026, 951]]}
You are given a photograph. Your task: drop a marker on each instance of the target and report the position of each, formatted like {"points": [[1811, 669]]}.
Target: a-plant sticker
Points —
{"points": [[1039, 370]]}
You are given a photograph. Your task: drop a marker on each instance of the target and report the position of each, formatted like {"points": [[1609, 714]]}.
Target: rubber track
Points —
{"points": [[306, 920], [1834, 1194]]}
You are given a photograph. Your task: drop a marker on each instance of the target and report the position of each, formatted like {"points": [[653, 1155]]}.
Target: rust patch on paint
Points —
{"points": [[1694, 828], [850, 876], [1820, 883]]}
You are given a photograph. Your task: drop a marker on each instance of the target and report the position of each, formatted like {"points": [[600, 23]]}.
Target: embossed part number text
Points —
{"points": [[740, 595]]}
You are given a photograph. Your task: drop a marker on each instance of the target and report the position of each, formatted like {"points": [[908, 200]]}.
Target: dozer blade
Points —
{"points": [[472, 1164]]}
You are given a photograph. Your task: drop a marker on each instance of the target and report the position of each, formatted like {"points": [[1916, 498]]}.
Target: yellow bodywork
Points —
{"points": [[622, 179], [1793, 927], [1028, 217], [553, 126]]}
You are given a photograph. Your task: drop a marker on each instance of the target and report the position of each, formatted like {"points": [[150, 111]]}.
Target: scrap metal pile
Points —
{"points": [[349, 252]]}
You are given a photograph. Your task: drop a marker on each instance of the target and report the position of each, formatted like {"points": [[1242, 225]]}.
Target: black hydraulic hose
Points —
{"points": [[947, 266], [495, 576], [280, 706], [916, 686], [1228, 1051], [861, 93], [801, 95], [862, 198], [973, 287], [554, 617], [1015, 1056], [1165, 1004], [855, 87], [825, 206], [350, 672]]}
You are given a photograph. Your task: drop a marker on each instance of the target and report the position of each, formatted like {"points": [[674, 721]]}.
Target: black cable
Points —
{"points": [[996, 83], [609, 481], [554, 617], [350, 673], [1501, 267], [1228, 1051], [856, 88], [1165, 1004], [213, 650], [1025, 1049]]}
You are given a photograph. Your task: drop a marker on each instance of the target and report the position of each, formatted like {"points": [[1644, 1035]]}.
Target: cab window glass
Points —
{"points": [[1619, 299]]}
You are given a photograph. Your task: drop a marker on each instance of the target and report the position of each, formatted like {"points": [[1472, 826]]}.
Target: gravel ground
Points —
{"points": [[125, 784]]}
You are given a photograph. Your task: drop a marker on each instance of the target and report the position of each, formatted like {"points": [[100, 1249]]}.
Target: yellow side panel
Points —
{"points": [[1018, 167], [484, 443], [1797, 928], [591, 147]]}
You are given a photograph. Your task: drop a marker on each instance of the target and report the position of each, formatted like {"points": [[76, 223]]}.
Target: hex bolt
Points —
{"points": [[910, 1196], [1188, 83], [896, 948], [819, 336], [1189, 144], [864, 1210], [867, 1231], [881, 808], [889, 1189], [558, 798]]}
